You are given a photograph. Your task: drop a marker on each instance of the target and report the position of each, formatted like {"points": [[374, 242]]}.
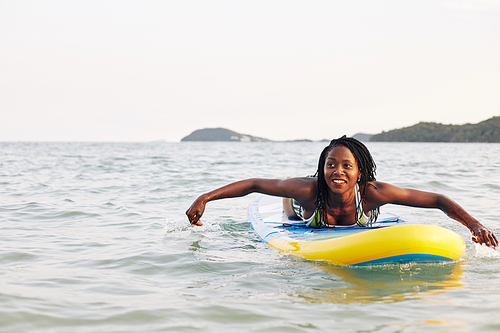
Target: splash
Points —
{"points": [[485, 252], [183, 226]]}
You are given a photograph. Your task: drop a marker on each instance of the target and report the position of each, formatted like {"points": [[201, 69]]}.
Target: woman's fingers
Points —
{"points": [[485, 236]]}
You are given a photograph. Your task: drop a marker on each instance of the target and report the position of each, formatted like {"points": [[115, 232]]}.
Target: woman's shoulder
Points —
{"points": [[376, 188], [304, 183], [380, 193], [375, 185], [303, 189]]}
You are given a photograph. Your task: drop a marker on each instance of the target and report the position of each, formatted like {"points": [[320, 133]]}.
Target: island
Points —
{"points": [[221, 134], [485, 131], [362, 137], [224, 134]]}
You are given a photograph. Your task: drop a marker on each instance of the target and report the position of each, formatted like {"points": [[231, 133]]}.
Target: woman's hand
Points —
{"points": [[483, 235], [196, 210]]}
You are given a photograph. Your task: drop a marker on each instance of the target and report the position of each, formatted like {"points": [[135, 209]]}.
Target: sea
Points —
{"points": [[94, 238]]}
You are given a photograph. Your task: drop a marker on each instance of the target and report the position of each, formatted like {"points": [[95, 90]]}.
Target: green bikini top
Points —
{"points": [[316, 221]]}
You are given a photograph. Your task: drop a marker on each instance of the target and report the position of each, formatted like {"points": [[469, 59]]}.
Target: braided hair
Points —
{"points": [[366, 166]]}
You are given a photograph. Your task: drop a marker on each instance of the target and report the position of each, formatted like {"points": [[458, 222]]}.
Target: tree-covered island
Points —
{"points": [[485, 131]]}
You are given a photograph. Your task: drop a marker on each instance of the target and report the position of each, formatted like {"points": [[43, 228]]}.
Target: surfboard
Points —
{"points": [[390, 240]]}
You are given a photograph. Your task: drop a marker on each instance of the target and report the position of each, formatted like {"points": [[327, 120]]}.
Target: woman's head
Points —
{"points": [[364, 160], [366, 164]]}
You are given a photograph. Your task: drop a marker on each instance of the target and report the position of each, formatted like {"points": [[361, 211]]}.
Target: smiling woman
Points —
{"points": [[342, 161], [344, 192]]}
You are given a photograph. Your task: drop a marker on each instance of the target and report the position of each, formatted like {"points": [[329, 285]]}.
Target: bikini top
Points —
{"points": [[316, 220]]}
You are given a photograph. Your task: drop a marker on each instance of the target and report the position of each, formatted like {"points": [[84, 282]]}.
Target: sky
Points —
{"points": [[120, 70]]}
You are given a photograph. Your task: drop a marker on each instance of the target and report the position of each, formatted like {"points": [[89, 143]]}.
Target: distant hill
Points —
{"points": [[485, 131], [220, 134], [362, 137]]}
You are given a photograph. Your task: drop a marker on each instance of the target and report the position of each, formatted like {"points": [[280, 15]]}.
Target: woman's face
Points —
{"points": [[341, 170]]}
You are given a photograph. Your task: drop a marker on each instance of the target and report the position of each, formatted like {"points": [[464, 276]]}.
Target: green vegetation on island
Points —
{"points": [[223, 134], [485, 131], [220, 134]]}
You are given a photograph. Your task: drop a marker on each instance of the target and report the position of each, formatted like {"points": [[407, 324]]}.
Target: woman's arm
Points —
{"points": [[289, 188], [379, 194]]}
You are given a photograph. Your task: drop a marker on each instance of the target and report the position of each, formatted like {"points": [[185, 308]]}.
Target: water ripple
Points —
{"points": [[95, 238]]}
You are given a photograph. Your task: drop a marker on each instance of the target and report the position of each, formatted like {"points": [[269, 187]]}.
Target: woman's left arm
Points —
{"points": [[379, 193]]}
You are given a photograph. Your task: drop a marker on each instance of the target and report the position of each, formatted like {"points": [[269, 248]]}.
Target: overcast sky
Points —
{"points": [[150, 70]]}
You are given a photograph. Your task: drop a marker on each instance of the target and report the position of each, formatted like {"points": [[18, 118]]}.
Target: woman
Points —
{"points": [[344, 192]]}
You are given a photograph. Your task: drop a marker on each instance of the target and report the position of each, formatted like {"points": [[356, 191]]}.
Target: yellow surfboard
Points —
{"points": [[391, 240]]}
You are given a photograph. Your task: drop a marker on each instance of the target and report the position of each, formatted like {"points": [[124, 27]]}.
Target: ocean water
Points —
{"points": [[94, 239]]}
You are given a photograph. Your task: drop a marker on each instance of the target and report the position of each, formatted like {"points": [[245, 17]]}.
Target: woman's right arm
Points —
{"points": [[292, 187]]}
